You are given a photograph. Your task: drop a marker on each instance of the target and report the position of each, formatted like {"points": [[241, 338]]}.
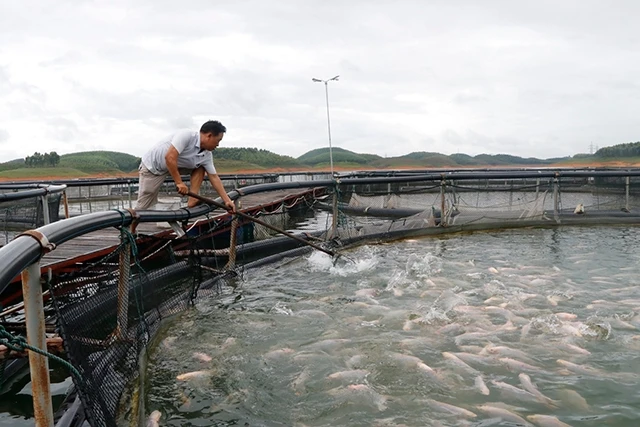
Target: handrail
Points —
{"points": [[30, 190]]}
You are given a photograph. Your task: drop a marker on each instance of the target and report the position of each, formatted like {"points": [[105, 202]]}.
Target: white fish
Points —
{"points": [[445, 407], [299, 383], [353, 375], [573, 348], [516, 365], [194, 375], [459, 363], [507, 352], [504, 414], [312, 313], [202, 357], [572, 399], [154, 419], [566, 316], [413, 361], [513, 392], [481, 386], [228, 343], [363, 393], [275, 354], [528, 385], [581, 369], [547, 421]]}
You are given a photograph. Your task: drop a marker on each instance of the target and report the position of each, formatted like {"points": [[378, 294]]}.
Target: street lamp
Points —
{"points": [[326, 91]]}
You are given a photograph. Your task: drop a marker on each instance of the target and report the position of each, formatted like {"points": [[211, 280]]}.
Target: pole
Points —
{"points": [[326, 91], [38, 364]]}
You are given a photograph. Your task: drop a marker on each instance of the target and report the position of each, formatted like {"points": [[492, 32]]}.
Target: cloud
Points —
{"points": [[544, 79]]}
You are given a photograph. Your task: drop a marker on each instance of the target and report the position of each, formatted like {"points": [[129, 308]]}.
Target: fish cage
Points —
{"points": [[108, 312], [28, 206]]}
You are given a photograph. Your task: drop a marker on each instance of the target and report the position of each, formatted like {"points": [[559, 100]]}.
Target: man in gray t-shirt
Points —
{"points": [[184, 152]]}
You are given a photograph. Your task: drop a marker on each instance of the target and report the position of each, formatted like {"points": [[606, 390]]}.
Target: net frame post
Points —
{"points": [[231, 263], [38, 363], [44, 201], [334, 213], [124, 270], [443, 186], [65, 203], [627, 183], [556, 198], [129, 194]]}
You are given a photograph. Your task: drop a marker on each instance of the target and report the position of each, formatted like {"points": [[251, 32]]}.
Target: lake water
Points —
{"points": [[508, 327]]}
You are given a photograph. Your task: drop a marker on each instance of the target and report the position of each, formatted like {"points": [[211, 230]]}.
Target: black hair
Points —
{"points": [[214, 127]]}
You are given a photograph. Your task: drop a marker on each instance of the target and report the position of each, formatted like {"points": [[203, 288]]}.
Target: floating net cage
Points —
{"points": [[26, 214], [108, 312]]}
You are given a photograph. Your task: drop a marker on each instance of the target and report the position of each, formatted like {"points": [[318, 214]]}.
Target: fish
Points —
{"points": [[353, 375], [528, 385], [298, 384], [452, 409], [362, 393], [572, 399], [456, 361], [513, 392], [154, 419], [573, 348], [504, 414], [581, 369], [516, 365], [546, 421], [275, 354], [481, 386], [202, 357], [194, 375], [507, 352]]}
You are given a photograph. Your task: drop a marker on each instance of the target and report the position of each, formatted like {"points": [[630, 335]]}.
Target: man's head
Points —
{"points": [[211, 134]]}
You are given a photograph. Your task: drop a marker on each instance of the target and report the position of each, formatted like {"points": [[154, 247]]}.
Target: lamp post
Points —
{"points": [[326, 91]]}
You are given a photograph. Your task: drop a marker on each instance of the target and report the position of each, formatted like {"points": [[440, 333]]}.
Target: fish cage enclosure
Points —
{"points": [[108, 312]]}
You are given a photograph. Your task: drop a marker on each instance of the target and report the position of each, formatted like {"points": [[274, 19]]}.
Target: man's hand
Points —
{"points": [[231, 207], [182, 188]]}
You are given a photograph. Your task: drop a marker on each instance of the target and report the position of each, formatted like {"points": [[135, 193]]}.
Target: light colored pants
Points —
{"points": [[149, 187]]}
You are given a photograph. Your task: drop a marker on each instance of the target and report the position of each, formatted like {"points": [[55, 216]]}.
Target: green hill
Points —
{"points": [[261, 158], [100, 161], [229, 160], [321, 156]]}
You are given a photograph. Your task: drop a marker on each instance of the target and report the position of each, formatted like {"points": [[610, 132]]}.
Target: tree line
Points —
{"points": [[631, 149], [38, 160]]}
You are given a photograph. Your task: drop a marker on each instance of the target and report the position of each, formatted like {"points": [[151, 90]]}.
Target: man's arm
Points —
{"points": [[216, 183], [172, 166]]}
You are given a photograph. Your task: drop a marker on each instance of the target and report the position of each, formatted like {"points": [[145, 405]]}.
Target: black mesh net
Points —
{"points": [[26, 214], [108, 311]]}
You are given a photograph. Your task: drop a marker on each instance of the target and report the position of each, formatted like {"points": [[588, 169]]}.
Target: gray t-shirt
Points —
{"points": [[187, 142]]}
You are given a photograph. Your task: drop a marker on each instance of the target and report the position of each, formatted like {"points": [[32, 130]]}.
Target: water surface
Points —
{"points": [[409, 327]]}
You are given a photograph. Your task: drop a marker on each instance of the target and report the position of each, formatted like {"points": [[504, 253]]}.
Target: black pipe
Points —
{"points": [[32, 192]]}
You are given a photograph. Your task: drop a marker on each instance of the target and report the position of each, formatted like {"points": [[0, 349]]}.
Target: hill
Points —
{"points": [[234, 160], [100, 161]]}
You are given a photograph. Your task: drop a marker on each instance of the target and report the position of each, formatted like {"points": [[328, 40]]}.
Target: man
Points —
{"points": [[185, 152]]}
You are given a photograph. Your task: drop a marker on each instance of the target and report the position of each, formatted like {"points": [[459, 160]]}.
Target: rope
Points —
{"points": [[19, 344]]}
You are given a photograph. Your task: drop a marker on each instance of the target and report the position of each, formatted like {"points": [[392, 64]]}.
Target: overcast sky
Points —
{"points": [[529, 78]]}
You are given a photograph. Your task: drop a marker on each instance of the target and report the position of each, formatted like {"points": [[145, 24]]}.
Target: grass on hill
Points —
{"points": [[229, 166], [34, 173]]}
